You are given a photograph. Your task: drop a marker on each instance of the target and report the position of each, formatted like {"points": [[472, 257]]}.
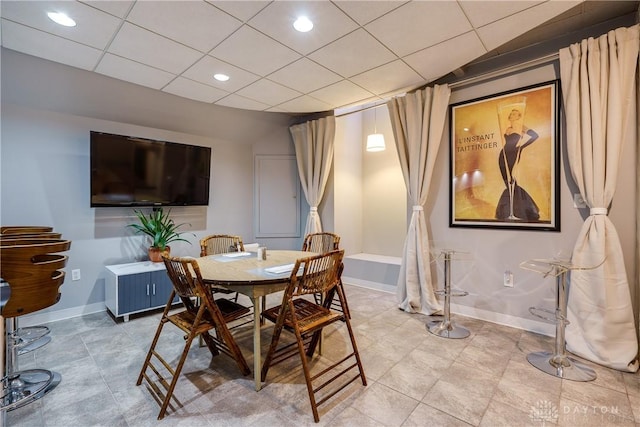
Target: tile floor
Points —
{"points": [[414, 378]]}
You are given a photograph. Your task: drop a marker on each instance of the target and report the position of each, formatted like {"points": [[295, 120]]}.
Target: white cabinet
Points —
{"points": [[136, 287]]}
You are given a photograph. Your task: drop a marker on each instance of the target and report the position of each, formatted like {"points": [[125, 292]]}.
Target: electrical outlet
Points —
{"points": [[508, 279], [578, 201], [75, 274]]}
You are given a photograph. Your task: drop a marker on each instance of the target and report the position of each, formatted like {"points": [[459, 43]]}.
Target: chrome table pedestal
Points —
{"points": [[557, 363], [445, 328]]}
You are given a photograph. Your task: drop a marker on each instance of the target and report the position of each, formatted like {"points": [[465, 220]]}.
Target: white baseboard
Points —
{"points": [[505, 319], [52, 316], [368, 284], [530, 325]]}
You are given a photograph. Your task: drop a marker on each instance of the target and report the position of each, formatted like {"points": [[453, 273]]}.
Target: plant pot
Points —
{"points": [[155, 254]]}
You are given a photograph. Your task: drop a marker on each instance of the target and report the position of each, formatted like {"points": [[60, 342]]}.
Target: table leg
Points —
{"points": [[257, 359]]}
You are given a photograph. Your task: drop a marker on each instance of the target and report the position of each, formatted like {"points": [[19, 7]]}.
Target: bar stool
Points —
{"points": [[32, 269], [29, 338], [445, 327], [557, 363]]}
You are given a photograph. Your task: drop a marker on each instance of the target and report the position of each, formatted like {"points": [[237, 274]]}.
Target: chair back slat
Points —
{"points": [[181, 272], [220, 244], [321, 242], [320, 273]]}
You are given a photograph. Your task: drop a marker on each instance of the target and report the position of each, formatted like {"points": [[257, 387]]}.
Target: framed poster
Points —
{"points": [[505, 160]]}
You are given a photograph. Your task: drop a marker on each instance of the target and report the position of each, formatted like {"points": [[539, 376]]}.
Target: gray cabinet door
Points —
{"points": [[161, 288], [133, 292]]}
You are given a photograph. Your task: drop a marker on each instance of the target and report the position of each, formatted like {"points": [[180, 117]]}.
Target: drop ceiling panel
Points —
{"points": [[237, 101], [268, 92], [388, 77], [341, 93], [366, 11], [252, 50], [420, 24], [125, 69], [37, 43], [243, 10], [304, 76], [329, 23], [194, 90], [193, 23], [94, 28], [143, 46], [484, 12], [304, 104], [458, 51], [499, 32], [345, 56], [118, 8], [204, 70]]}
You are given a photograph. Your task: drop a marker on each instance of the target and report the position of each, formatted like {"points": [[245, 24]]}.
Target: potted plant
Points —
{"points": [[160, 227]]}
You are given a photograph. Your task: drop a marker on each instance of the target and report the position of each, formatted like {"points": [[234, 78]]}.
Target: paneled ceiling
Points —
{"points": [[356, 53]]}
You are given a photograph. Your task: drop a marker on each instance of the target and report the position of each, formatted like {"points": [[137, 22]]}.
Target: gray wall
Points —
{"points": [[47, 112]]}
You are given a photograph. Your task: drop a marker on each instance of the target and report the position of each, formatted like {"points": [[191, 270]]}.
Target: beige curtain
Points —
{"points": [[598, 84], [313, 142], [417, 120]]}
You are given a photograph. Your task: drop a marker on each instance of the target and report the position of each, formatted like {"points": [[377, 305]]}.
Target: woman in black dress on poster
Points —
{"points": [[515, 204]]}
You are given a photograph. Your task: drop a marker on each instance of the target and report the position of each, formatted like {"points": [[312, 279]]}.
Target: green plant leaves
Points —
{"points": [[160, 227]]}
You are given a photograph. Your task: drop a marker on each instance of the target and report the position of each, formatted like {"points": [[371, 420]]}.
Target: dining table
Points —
{"points": [[255, 277]]}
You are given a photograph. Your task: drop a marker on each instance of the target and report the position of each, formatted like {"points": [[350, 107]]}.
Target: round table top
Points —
{"points": [[246, 269]]}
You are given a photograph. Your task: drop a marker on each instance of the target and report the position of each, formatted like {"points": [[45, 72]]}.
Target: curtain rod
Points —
{"points": [[510, 69], [478, 78], [360, 110]]}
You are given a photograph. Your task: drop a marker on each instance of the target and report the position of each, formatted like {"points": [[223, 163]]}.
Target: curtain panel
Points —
{"points": [[417, 120], [313, 142], [598, 84]]}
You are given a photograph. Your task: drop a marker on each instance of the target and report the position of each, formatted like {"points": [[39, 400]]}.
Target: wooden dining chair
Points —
{"points": [[306, 319], [325, 242], [321, 242], [196, 320], [221, 244]]}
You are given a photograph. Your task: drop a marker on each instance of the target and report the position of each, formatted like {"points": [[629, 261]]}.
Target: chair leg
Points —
{"points": [[176, 374], [277, 331], [354, 346], [344, 304], [147, 360], [225, 336], [307, 375]]}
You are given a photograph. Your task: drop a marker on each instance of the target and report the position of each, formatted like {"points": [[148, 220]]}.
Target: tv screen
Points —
{"points": [[130, 171]]}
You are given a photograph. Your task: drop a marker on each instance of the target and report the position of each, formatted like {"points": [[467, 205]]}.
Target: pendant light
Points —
{"points": [[375, 141]]}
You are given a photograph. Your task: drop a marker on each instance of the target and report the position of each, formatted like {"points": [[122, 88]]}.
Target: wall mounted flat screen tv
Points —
{"points": [[130, 171]]}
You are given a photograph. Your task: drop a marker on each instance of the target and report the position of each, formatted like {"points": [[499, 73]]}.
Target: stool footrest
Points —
{"points": [[23, 387], [551, 316], [452, 292]]}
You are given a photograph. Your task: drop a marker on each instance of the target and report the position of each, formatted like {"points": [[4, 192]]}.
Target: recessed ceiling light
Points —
{"points": [[62, 19], [303, 24], [221, 77]]}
